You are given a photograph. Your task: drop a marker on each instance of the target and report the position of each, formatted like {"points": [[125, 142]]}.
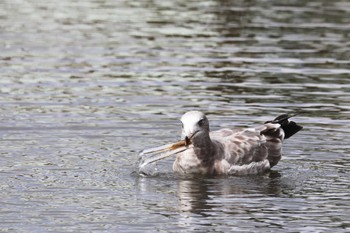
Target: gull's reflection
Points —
{"points": [[200, 195], [196, 201], [193, 195]]}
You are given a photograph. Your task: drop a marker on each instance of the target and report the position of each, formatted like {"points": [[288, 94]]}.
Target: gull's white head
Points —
{"points": [[194, 123]]}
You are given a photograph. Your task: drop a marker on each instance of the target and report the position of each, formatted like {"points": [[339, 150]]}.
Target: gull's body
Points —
{"points": [[231, 151]]}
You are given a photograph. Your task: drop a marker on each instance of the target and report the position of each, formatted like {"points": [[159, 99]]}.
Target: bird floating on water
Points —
{"points": [[225, 151]]}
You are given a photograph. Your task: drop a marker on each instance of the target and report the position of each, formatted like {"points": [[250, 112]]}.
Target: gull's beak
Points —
{"points": [[187, 141], [157, 153], [189, 136]]}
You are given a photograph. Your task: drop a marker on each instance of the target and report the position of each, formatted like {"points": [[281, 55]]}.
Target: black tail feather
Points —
{"points": [[289, 127]]}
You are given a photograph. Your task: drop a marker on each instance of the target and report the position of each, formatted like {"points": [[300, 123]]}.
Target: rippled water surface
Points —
{"points": [[86, 85]]}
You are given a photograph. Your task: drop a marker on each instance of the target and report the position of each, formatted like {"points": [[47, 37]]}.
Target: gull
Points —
{"points": [[238, 151]]}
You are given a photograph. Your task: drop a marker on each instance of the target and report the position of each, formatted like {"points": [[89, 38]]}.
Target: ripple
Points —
{"points": [[86, 85]]}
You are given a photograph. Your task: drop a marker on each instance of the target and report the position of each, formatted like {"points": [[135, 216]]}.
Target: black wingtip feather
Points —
{"points": [[289, 127]]}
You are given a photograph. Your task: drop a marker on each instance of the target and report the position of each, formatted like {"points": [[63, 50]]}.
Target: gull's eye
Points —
{"points": [[201, 122], [182, 125]]}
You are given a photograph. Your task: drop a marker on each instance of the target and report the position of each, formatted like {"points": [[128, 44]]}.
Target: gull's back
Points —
{"points": [[253, 150]]}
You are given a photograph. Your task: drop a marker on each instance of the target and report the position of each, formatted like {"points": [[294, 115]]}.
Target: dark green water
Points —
{"points": [[86, 85]]}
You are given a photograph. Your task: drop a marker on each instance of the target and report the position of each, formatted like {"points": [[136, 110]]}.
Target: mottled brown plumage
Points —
{"points": [[230, 151]]}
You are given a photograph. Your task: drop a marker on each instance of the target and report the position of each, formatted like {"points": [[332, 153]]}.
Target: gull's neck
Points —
{"points": [[203, 147]]}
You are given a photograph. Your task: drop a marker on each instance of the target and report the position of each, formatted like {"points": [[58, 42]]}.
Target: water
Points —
{"points": [[86, 85]]}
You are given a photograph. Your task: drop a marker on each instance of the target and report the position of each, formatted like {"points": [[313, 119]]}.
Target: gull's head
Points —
{"points": [[194, 124]]}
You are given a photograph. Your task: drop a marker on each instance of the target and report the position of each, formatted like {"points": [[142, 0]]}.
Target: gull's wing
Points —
{"points": [[252, 146]]}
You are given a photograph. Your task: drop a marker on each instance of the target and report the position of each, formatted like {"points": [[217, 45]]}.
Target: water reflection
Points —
{"points": [[230, 203], [200, 196], [193, 196]]}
